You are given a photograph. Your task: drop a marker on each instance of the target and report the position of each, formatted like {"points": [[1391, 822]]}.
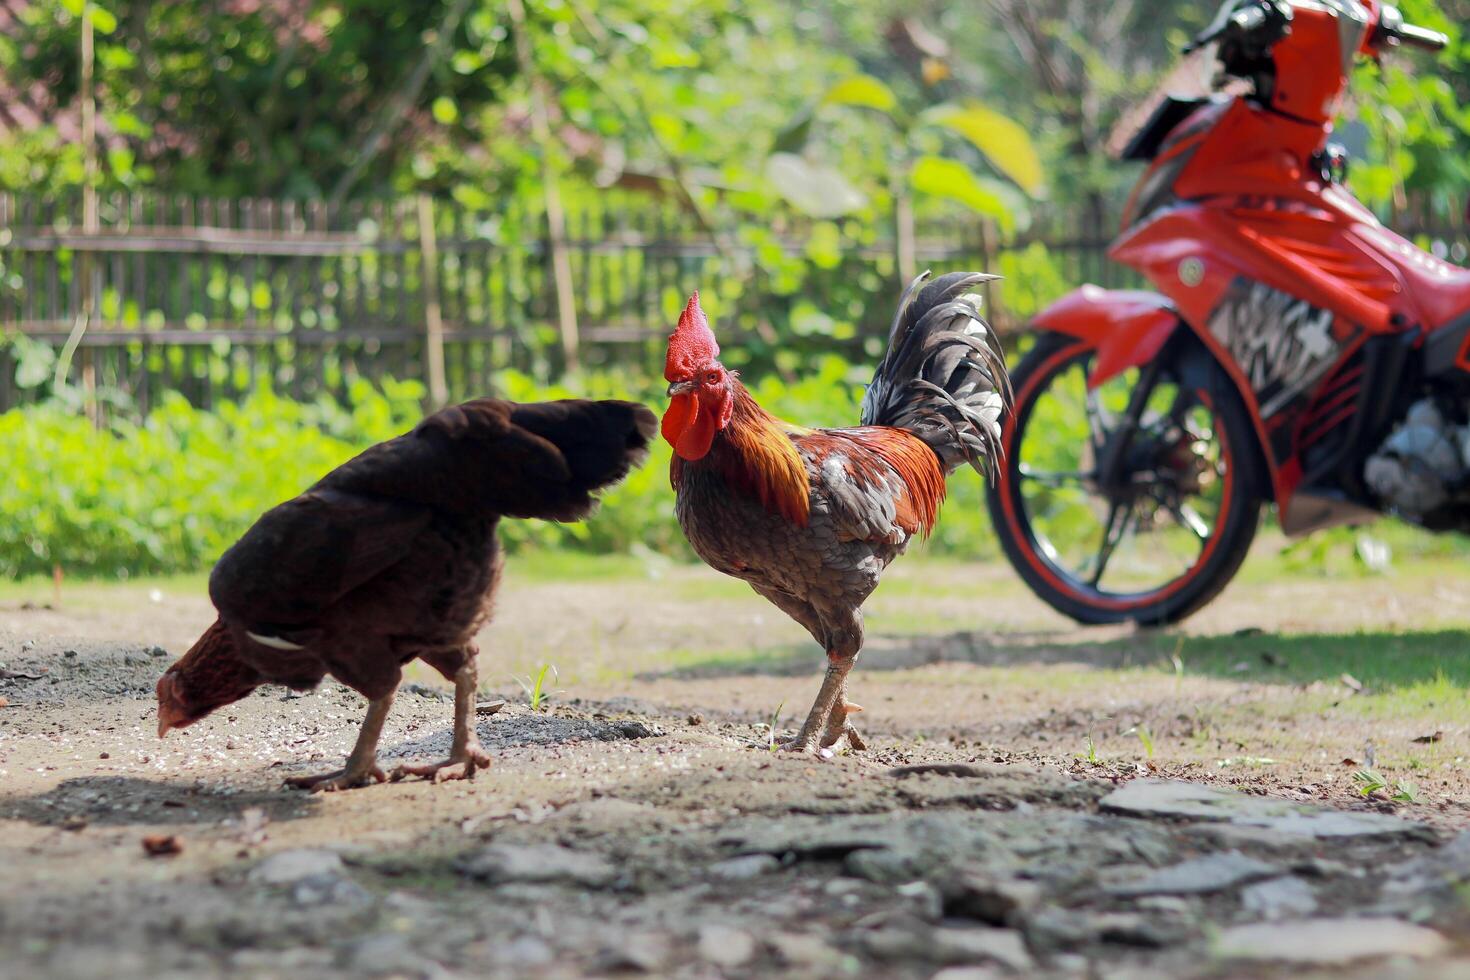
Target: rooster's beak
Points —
{"points": [[681, 388]]}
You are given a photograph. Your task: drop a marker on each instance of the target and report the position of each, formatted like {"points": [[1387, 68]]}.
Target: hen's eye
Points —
{"points": [[712, 378]]}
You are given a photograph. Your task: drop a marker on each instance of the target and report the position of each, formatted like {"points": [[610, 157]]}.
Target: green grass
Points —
{"points": [[98, 593]]}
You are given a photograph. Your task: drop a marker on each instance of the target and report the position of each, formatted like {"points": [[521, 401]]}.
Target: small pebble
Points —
{"points": [[162, 845]]}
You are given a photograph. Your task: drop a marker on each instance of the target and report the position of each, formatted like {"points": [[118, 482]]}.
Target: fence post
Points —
{"points": [[90, 222], [556, 219], [433, 320]]}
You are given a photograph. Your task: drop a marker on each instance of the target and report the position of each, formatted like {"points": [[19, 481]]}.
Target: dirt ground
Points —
{"points": [[1037, 799]]}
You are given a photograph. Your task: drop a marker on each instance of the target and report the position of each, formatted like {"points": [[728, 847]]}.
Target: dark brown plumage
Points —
{"points": [[393, 556], [811, 517]]}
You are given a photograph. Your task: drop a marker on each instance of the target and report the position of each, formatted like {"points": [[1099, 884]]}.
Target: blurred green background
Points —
{"points": [[794, 162]]}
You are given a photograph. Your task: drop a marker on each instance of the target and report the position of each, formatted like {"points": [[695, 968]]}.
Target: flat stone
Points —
{"points": [[927, 902], [725, 946], [799, 949], [536, 863], [968, 973], [989, 899], [896, 945], [1326, 941], [815, 840], [330, 890], [976, 944], [744, 867], [1198, 876], [289, 867], [645, 952], [522, 952], [386, 953], [1279, 898], [1167, 798]]}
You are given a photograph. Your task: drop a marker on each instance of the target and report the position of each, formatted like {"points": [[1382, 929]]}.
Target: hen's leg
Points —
{"points": [[362, 765], [465, 753]]}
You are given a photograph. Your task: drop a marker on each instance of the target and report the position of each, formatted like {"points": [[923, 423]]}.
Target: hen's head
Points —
{"points": [[701, 391], [211, 675]]}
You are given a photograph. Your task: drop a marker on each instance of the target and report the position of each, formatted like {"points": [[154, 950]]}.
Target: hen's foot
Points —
{"points": [[460, 765], [350, 778]]}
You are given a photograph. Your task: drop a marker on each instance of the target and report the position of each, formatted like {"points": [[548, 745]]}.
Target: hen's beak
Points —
{"points": [[680, 388], [169, 713]]}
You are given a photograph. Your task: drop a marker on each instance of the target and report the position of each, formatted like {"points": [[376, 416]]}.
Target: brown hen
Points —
{"points": [[393, 556]]}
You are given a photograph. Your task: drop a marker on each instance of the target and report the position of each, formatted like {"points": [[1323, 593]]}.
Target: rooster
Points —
{"points": [[811, 517], [393, 556]]}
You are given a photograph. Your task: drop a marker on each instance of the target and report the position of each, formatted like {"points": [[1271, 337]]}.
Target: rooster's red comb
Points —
{"points": [[692, 344]]}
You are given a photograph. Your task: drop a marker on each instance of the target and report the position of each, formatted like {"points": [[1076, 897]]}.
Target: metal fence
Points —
{"points": [[211, 297]]}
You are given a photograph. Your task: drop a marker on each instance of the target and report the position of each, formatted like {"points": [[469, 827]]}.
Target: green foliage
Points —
{"points": [[266, 97], [537, 693], [1417, 111], [1370, 781], [169, 494]]}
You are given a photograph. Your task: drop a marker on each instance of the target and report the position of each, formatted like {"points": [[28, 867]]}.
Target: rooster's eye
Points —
{"points": [[712, 378]]}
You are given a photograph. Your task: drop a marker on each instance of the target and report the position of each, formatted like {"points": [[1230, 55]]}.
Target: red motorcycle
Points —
{"points": [[1297, 350]]}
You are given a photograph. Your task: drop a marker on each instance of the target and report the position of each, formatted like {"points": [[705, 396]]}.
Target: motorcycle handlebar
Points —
{"points": [[1393, 31], [1422, 38]]}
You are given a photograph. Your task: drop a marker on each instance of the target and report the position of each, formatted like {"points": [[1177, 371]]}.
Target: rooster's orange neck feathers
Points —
{"points": [[755, 455]]}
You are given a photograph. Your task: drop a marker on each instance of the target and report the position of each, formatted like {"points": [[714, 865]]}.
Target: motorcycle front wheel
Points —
{"points": [[1136, 500]]}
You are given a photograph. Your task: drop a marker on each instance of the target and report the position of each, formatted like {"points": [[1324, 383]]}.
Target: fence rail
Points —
{"points": [[210, 297]]}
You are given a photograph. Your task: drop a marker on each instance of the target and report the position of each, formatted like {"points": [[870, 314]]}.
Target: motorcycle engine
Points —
{"points": [[1419, 466]]}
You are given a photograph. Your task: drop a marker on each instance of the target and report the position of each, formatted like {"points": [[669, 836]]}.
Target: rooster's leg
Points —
{"points": [[362, 765], [826, 724], [465, 753]]}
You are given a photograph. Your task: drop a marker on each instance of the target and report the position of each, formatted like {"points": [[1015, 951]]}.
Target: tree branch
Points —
{"points": [[399, 104]]}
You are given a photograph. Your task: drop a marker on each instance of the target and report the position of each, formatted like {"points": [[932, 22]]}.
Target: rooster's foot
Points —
{"points": [[349, 778], [840, 729], [460, 765], [834, 732], [805, 746]]}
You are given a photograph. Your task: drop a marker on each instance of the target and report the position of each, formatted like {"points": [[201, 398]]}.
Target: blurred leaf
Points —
{"points": [[35, 362], [954, 180], [794, 136], [103, 20], [446, 113], [824, 247], [1005, 144], [818, 190], [861, 90]]}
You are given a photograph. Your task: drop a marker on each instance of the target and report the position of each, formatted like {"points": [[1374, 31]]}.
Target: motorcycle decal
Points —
{"points": [[1283, 344]]}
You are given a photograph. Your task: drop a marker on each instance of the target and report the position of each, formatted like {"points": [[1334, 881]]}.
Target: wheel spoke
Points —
{"points": [[1052, 478], [1188, 517], [1119, 517]]}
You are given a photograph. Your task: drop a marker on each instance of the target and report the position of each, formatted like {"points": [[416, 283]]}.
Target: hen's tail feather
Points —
{"points": [[601, 442], [943, 377]]}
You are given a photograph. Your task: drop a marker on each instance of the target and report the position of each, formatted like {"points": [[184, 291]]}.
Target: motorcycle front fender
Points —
{"points": [[1127, 328]]}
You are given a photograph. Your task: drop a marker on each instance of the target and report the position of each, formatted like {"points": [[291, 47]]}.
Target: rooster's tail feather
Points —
{"points": [[944, 377]]}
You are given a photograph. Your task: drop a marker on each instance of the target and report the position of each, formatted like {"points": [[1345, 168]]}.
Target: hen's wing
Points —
{"points": [[482, 459], [490, 457], [305, 555]]}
